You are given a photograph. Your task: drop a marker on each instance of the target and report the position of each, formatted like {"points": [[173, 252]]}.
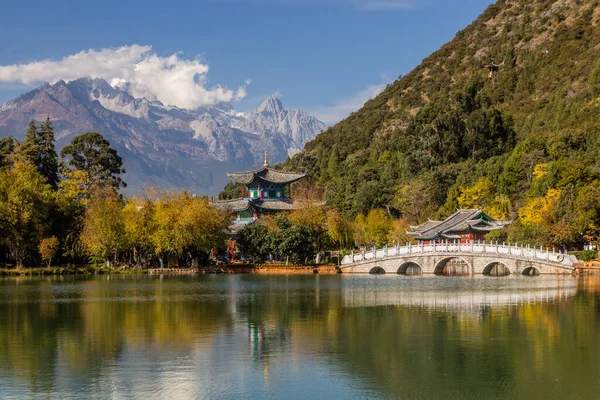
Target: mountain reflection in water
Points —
{"points": [[300, 336]]}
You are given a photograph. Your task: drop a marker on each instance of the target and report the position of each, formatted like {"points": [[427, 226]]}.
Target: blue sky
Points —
{"points": [[326, 56]]}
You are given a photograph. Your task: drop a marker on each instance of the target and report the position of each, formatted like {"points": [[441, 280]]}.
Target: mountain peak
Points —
{"points": [[271, 104]]}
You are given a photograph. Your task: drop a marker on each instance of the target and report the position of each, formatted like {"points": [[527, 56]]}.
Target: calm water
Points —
{"points": [[300, 337]]}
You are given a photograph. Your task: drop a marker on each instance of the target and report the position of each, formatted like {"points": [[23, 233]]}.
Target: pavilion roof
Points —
{"points": [[460, 221], [260, 204], [266, 174], [275, 205], [232, 205]]}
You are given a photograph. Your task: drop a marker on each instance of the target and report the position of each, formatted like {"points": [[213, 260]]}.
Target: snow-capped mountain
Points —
{"points": [[164, 146]]}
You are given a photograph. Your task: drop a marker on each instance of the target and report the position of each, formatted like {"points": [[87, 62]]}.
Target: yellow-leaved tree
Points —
{"points": [[360, 230], [139, 225], [538, 210], [312, 215], [183, 222], [378, 226], [103, 235], [340, 229], [482, 195], [25, 201]]}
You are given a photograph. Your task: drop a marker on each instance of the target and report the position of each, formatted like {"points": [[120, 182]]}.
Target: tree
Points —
{"points": [[93, 154], [296, 244], [360, 230], [8, 145], [138, 218], [185, 223], [231, 191], [38, 148], [48, 249], [398, 232], [311, 214], [255, 242], [477, 196], [103, 235], [339, 229], [378, 227], [25, 202]]}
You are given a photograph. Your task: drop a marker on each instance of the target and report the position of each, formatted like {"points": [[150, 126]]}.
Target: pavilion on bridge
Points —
{"points": [[463, 226]]}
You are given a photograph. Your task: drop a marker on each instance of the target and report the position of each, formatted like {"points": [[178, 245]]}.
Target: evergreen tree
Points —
{"points": [[93, 154], [38, 148], [8, 145], [48, 156]]}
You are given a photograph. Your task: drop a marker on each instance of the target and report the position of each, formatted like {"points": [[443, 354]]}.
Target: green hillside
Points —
{"points": [[503, 117]]}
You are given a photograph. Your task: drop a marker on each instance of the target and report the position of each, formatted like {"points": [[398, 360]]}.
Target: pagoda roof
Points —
{"points": [[259, 204], [460, 221], [266, 174], [275, 205], [232, 205]]}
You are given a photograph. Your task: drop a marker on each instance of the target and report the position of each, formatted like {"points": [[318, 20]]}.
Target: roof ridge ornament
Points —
{"points": [[266, 164]]}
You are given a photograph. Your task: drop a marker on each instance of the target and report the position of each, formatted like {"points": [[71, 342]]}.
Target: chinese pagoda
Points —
{"points": [[463, 226], [264, 191]]}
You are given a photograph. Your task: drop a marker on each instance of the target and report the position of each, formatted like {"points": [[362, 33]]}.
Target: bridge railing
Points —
{"points": [[475, 247]]}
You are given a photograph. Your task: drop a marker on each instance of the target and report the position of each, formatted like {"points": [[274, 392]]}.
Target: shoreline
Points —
{"points": [[275, 269]]}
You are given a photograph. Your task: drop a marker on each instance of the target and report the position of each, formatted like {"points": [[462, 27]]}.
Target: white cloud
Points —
{"points": [[342, 108], [172, 80]]}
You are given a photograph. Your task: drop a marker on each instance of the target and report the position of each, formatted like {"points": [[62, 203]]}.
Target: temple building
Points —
{"points": [[463, 226], [264, 191]]}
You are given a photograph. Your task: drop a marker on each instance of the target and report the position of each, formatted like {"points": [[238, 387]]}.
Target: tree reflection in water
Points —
{"points": [[392, 336]]}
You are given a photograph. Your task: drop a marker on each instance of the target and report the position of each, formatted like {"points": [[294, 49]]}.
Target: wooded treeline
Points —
{"points": [[67, 209]]}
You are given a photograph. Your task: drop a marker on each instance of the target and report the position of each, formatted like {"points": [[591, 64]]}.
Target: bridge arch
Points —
{"points": [[452, 266], [410, 268], [377, 270], [497, 269], [531, 271]]}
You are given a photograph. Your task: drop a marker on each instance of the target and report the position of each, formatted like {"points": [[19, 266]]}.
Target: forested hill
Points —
{"points": [[504, 117]]}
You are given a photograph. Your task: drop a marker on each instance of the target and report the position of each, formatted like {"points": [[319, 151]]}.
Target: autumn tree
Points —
{"points": [[48, 249], [185, 223], [139, 222], [378, 226], [339, 229], [25, 202], [360, 230], [103, 235], [312, 215]]}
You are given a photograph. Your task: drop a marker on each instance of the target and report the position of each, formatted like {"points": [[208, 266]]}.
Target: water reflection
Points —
{"points": [[301, 336]]}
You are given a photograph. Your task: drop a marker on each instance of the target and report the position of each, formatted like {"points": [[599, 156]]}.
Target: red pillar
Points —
{"points": [[232, 249]]}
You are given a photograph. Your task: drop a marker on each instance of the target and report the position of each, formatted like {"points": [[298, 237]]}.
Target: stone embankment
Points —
{"points": [[282, 269], [588, 268]]}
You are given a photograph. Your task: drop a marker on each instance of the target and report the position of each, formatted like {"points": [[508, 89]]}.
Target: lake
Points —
{"points": [[296, 337]]}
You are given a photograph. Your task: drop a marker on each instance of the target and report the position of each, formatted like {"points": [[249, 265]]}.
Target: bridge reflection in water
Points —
{"points": [[465, 295]]}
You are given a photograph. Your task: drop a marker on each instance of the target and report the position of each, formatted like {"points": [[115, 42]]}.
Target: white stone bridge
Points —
{"points": [[451, 258]]}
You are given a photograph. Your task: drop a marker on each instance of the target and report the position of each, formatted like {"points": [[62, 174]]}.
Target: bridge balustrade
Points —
{"points": [[453, 247]]}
